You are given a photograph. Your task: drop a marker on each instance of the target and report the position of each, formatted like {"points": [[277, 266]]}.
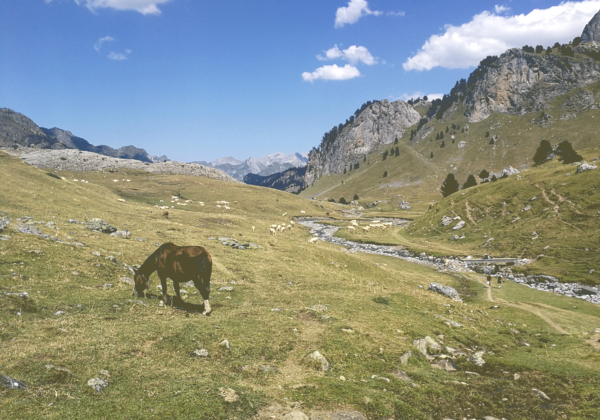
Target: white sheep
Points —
{"points": [[351, 228], [272, 231], [365, 229], [253, 228], [313, 240]]}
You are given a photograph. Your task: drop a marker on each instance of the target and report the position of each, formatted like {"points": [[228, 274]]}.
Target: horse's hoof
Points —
{"points": [[206, 313]]}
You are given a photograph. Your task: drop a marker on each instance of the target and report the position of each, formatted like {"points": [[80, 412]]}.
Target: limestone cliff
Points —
{"points": [[377, 125], [519, 82], [592, 30]]}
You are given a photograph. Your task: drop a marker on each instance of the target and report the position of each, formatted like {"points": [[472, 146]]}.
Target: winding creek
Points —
{"points": [[544, 283]]}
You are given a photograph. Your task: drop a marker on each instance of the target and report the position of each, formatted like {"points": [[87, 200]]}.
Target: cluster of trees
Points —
{"points": [[451, 185], [416, 101], [353, 166], [393, 152], [564, 150], [564, 49]]}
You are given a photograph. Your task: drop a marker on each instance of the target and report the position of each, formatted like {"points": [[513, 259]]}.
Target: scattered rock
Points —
{"points": [[342, 415], [202, 353], [267, 368], [516, 376], [226, 289], [471, 373], [99, 225], [123, 234], [459, 225], [477, 358], [404, 205], [23, 295], [446, 220], [11, 383], [540, 394], [462, 144], [60, 373], [4, 222], [581, 168], [98, 384], [224, 343], [446, 291], [404, 358], [319, 308], [400, 374], [455, 238], [295, 415], [316, 356], [57, 313], [228, 394], [444, 364], [127, 280]]}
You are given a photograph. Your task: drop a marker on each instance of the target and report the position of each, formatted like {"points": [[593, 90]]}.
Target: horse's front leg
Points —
{"points": [[163, 284]]}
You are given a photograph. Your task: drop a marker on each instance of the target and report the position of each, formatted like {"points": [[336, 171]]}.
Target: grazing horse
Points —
{"points": [[180, 264]]}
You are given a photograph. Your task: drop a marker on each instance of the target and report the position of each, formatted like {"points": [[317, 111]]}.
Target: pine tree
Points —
{"points": [[431, 155], [494, 178], [385, 174], [450, 185], [443, 144], [487, 134], [470, 182], [484, 174], [397, 151], [543, 153], [566, 153], [343, 201], [396, 141], [355, 196]]}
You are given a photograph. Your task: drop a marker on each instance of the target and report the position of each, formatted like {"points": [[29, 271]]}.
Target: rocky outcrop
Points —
{"points": [[377, 125], [591, 31], [16, 130], [76, 160], [519, 82]]}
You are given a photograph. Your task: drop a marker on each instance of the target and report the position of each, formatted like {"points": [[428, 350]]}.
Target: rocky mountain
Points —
{"points": [[374, 125], [82, 161], [18, 130], [290, 181], [263, 166], [592, 30]]}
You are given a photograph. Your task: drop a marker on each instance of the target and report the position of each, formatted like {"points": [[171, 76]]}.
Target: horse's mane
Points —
{"points": [[152, 260]]}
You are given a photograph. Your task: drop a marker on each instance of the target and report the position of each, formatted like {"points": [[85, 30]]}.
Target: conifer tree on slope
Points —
{"points": [[566, 153], [450, 185], [543, 152]]}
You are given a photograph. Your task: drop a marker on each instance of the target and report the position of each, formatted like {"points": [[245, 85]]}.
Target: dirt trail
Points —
{"points": [[545, 195], [527, 308], [469, 212]]}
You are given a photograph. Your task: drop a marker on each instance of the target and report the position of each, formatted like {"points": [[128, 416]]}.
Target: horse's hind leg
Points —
{"points": [[203, 286]]}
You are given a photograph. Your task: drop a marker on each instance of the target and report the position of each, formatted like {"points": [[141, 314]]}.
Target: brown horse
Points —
{"points": [[180, 264]]}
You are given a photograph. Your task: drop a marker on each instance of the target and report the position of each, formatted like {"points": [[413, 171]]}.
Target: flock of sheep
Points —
{"points": [[273, 229], [374, 225]]}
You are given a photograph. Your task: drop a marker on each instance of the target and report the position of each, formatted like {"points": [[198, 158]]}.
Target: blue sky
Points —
{"points": [[202, 79]]}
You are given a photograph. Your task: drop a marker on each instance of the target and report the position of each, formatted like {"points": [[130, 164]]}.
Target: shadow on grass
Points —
{"points": [[175, 303]]}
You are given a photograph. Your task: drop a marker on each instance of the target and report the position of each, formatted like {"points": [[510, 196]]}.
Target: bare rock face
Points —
{"points": [[377, 125], [591, 32], [519, 82], [77, 160]]}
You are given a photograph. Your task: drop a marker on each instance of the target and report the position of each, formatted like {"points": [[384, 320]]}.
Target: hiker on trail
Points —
{"points": [[499, 280], [489, 280]]}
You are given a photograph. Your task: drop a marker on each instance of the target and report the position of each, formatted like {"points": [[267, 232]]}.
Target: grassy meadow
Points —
{"points": [[376, 307]]}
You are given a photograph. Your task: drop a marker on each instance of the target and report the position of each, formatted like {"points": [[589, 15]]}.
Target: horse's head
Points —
{"points": [[141, 283]]}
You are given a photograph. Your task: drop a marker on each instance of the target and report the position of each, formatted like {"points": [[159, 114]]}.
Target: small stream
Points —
{"points": [[449, 264]]}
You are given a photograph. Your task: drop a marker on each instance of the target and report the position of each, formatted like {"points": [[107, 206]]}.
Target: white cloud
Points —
{"points": [[352, 54], [355, 10], [396, 13], [501, 9], [332, 73], [418, 94], [119, 56], [101, 41], [145, 7], [490, 34]]}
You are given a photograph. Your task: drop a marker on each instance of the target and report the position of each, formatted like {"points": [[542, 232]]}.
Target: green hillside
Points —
{"points": [[376, 306]]}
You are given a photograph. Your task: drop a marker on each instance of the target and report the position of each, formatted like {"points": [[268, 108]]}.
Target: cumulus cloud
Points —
{"points": [[101, 41], [352, 54], [396, 13], [119, 56], [354, 11], [501, 9], [145, 7], [332, 72], [490, 34]]}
